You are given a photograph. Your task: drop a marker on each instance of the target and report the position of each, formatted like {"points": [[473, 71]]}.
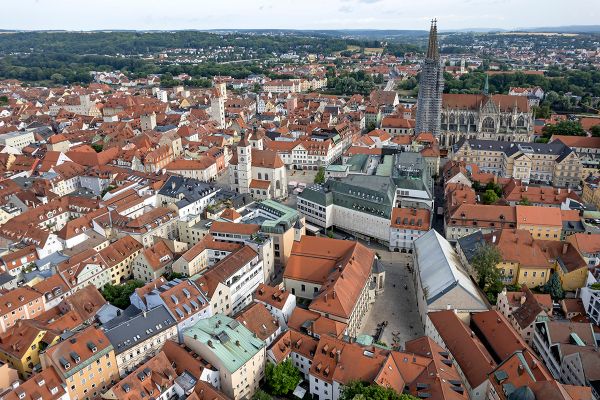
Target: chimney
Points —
{"points": [[325, 297], [494, 239], [333, 294], [565, 248], [523, 298], [337, 356]]}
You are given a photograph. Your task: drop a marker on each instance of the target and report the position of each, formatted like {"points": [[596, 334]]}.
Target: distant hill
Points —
{"points": [[356, 33], [564, 29]]}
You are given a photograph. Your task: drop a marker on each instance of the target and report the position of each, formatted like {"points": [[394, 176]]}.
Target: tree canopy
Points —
{"points": [[484, 263], [569, 128], [261, 395], [320, 176], [118, 295], [554, 287], [283, 378], [362, 391], [490, 197]]}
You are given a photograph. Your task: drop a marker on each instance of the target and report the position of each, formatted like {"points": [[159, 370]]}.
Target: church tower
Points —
{"points": [[431, 87], [244, 165], [217, 107]]}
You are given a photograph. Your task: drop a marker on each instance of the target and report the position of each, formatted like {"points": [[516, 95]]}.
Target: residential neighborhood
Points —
{"points": [[325, 224]]}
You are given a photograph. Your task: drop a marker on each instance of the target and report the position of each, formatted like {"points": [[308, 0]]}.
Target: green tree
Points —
{"points": [[542, 111], [484, 262], [524, 201], [261, 395], [283, 378], [569, 128], [495, 187], [97, 147], [58, 78], [357, 390], [174, 275], [320, 176], [596, 131], [3, 100], [490, 197], [554, 288], [118, 295]]}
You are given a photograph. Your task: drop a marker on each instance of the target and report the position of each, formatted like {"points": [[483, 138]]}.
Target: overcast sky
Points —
{"points": [[294, 14]]}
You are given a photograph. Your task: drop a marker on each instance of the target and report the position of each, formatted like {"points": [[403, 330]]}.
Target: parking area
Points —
{"points": [[397, 304]]}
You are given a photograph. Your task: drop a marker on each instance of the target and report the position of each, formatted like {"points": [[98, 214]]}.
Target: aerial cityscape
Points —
{"points": [[350, 200]]}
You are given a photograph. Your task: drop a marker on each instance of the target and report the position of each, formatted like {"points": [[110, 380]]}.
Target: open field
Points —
{"points": [[373, 50]]}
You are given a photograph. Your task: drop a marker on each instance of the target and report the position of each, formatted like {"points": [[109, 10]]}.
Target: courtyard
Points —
{"points": [[397, 304]]}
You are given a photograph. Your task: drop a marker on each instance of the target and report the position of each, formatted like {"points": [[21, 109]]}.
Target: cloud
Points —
{"points": [[369, 1], [345, 9]]}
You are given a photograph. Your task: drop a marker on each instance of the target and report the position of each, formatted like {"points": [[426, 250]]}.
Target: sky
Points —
{"points": [[294, 14]]}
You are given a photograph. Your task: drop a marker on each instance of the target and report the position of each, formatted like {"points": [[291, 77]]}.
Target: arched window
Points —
{"points": [[462, 119], [259, 176], [452, 119], [277, 185], [521, 122], [488, 124]]}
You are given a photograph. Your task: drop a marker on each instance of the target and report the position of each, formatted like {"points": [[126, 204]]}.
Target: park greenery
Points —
{"points": [[118, 295], [357, 390]]}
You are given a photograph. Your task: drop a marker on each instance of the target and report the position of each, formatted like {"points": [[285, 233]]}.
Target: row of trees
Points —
{"points": [[566, 90], [136, 43]]}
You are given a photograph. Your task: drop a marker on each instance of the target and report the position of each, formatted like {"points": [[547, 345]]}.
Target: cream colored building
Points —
{"points": [[548, 163], [119, 257], [235, 351], [17, 139]]}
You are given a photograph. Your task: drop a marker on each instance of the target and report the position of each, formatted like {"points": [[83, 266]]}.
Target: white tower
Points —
{"points": [[217, 108], [148, 122], [244, 165]]}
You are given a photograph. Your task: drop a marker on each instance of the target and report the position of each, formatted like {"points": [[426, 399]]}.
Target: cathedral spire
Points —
{"points": [[431, 87], [432, 47]]}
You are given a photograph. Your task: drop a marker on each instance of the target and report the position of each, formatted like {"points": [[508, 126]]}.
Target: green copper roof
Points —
{"points": [[229, 340], [285, 216], [336, 168], [386, 166]]}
